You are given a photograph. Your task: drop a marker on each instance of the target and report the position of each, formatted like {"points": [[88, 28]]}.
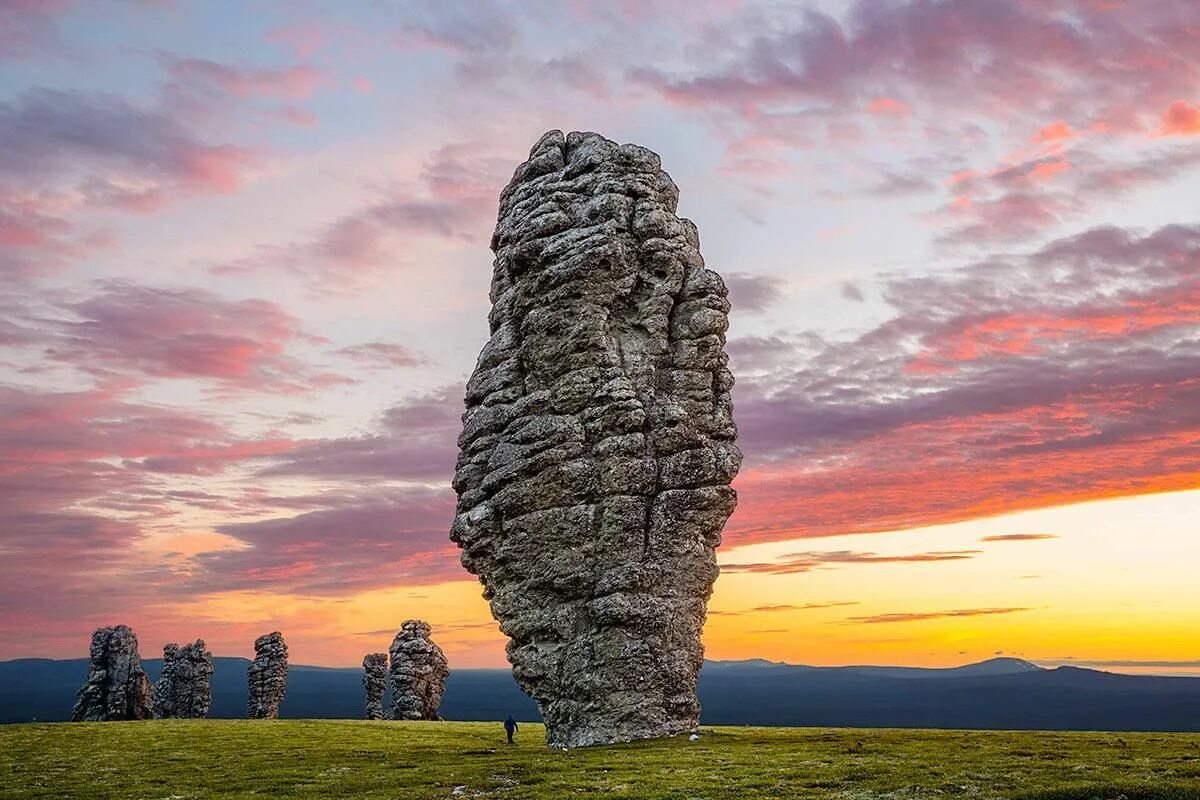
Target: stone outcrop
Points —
{"points": [[184, 689], [418, 673], [598, 443], [375, 672], [116, 687], [267, 676]]}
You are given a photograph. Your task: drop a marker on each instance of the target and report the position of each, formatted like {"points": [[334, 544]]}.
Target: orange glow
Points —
{"points": [[1075, 594], [1055, 132], [1181, 119], [1048, 170], [1016, 334], [887, 106], [936, 481]]}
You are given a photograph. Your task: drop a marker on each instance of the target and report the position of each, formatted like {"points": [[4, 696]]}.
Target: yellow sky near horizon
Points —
{"points": [[1110, 584]]}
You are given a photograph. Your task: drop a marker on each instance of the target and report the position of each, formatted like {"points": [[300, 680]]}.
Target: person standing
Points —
{"points": [[510, 727]]}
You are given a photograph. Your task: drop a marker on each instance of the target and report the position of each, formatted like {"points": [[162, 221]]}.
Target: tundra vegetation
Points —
{"points": [[333, 759]]}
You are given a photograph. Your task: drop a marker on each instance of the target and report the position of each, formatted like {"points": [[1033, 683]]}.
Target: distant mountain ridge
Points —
{"points": [[992, 666], [1000, 693]]}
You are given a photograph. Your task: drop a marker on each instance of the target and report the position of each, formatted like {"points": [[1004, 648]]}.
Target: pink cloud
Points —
{"points": [[30, 230], [1024, 200], [216, 169], [297, 82], [176, 333], [998, 61], [1056, 132], [358, 543], [381, 355], [68, 427], [1181, 119], [139, 332], [888, 107], [213, 459], [1048, 169], [36, 239], [54, 132], [1063, 375], [67, 153]]}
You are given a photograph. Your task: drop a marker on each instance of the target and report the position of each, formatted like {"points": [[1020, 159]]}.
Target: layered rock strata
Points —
{"points": [[598, 443], [418, 673], [116, 687]]}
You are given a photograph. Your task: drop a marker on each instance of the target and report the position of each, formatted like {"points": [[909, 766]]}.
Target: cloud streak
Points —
{"points": [[1018, 537], [806, 562], [885, 619], [775, 607], [357, 543], [145, 332]]}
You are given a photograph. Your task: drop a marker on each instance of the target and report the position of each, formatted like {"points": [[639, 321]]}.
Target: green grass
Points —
{"points": [[335, 759]]}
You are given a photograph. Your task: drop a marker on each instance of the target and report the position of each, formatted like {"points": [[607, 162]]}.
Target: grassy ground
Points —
{"points": [[335, 759]]}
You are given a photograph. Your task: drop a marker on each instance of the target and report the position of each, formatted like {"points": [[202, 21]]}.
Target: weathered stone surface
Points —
{"points": [[184, 689], [598, 443], [116, 687], [375, 671], [267, 676], [418, 673]]}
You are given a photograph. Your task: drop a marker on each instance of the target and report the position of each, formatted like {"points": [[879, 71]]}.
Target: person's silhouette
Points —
{"points": [[510, 727]]}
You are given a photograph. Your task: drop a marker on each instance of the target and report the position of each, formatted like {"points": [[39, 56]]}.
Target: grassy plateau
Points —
{"points": [[333, 759]]}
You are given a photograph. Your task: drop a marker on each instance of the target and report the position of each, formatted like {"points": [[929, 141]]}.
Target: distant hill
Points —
{"points": [[997, 694], [1002, 693]]}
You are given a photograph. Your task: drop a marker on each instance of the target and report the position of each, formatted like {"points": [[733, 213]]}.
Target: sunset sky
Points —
{"points": [[244, 258]]}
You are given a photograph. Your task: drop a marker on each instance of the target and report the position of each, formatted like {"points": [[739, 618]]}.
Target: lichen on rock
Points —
{"points": [[267, 676], [375, 672], [597, 448], [116, 687], [184, 688], [418, 673]]}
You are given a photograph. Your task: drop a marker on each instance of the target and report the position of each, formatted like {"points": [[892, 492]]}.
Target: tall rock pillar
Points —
{"points": [[375, 670], [597, 447], [267, 676], [184, 689], [116, 687], [418, 672]]}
